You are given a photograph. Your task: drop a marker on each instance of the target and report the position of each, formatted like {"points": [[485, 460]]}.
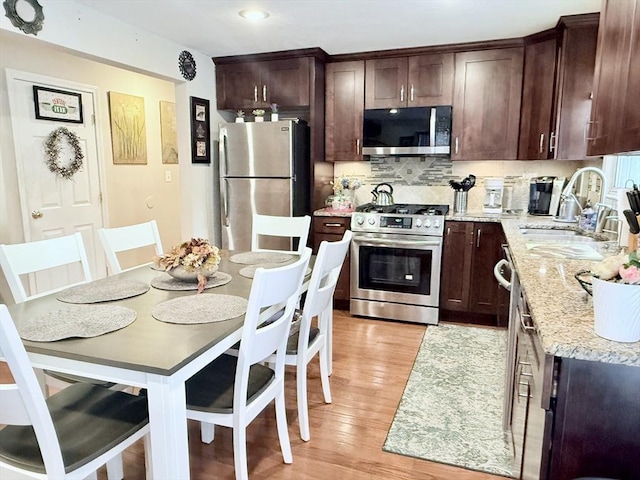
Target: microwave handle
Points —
{"points": [[432, 127]]}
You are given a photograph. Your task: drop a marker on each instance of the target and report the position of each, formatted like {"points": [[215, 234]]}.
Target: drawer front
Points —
{"points": [[335, 225]]}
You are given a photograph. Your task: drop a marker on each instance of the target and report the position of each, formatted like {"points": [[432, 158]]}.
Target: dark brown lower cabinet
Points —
{"points": [[596, 422], [332, 229], [467, 286]]}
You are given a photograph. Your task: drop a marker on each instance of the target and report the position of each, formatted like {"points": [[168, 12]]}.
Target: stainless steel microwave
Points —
{"points": [[407, 131]]}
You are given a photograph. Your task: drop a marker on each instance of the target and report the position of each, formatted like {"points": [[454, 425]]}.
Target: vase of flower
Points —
{"points": [[616, 308], [615, 287], [195, 260], [258, 115]]}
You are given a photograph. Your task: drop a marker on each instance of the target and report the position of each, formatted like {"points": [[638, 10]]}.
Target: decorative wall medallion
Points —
{"points": [[187, 65], [25, 14]]}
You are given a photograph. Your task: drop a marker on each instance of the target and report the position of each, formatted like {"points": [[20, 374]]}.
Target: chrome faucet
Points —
{"points": [[568, 192]]}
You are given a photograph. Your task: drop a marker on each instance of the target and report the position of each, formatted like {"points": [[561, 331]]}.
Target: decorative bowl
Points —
{"points": [[179, 273]]}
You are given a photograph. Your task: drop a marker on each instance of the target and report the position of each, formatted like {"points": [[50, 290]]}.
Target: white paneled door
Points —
{"points": [[53, 206]]}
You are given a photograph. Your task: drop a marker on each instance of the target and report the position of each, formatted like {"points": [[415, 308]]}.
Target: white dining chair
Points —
{"points": [[70, 434], [306, 340], [290, 228], [232, 390], [131, 237], [32, 257]]}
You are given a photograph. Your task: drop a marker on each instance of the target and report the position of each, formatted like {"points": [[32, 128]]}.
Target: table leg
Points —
{"points": [[168, 423]]}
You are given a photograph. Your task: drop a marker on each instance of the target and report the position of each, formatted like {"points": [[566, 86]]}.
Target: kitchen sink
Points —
{"points": [[561, 243], [547, 231]]}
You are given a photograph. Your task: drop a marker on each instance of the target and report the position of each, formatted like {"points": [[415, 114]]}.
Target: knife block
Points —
{"points": [[633, 239]]}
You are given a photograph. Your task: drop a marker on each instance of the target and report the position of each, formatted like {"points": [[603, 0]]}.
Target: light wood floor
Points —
{"points": [[372, 362]]}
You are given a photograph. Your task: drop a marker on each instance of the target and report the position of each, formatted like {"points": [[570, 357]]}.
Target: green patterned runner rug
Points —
{"points": [[451, 409]]}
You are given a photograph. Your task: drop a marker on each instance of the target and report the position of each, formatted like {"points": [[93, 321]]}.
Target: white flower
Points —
{"points": [[609, 267]]}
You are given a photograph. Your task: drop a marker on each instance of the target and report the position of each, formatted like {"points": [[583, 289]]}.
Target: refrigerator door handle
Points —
{"points": [[224, 195], [222, 151], [224, 200]]}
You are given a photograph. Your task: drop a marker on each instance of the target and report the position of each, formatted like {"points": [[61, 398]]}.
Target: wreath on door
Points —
{"points": [[52, 148]]}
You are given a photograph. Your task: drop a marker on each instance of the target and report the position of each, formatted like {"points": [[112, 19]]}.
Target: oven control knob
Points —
{"points": [[372, 221], [419, 223], [437, 224], [359, 220], [427, 223]]}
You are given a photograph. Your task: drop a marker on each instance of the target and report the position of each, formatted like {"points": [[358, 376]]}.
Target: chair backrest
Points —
{"points": [[322, 284], [288, 227], [272, 290], [120, 239], [23, 402], [23, 258]]}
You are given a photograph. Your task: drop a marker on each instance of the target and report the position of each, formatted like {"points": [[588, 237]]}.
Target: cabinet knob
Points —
{"points": [[36, 214]]}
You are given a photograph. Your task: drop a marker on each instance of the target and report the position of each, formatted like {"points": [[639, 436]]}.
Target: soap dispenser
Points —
{"points": [[588, 218]]}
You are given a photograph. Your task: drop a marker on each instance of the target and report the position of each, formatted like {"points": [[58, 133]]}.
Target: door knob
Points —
{"points": [[36, 214]]}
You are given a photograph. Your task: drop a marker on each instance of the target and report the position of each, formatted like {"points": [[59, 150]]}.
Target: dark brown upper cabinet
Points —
{"points": [[557, 87], [537, 100], [486, 104], [241, 86], [574, 86], [344, 110], [615, 114], [415, 81]]}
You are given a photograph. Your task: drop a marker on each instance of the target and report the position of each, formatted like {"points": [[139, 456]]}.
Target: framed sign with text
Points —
{"points": [[57, 105]]}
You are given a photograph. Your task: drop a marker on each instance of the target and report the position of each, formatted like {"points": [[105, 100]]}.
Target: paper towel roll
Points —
{"points": [[623, 204]]}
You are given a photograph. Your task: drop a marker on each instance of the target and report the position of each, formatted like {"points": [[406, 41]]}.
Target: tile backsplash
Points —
{"points": [[426, 179]]}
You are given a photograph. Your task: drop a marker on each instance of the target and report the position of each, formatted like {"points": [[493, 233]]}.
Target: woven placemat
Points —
{"points": [[250, 270], [205, 308], [167, 282], [105, 290], [78, 321], [253, 258]]}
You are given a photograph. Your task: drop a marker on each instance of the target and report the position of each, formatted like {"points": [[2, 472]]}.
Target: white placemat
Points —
{"points": [[105, 290], [204, 308], [253, 258], [78, 321], [167, 282], [250, 270]]}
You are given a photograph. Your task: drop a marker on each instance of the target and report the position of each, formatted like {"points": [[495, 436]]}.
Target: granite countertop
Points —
{"points": [[561, 310], [330, 212]]}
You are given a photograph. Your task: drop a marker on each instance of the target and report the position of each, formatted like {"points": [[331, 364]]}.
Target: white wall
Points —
{"points": [[90, 34]]}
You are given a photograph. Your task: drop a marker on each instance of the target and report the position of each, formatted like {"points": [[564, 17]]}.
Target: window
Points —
{"points": [[624, 170]]}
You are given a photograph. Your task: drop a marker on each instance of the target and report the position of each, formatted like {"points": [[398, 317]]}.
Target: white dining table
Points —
{"points": [[149, 354]]}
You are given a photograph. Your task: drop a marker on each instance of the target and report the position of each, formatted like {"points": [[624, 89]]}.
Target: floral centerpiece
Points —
{"points": [[615, 286], [344, 188], [195, 259]]}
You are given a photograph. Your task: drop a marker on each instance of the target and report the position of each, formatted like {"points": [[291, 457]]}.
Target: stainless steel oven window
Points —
{"points": [[401, 270]]}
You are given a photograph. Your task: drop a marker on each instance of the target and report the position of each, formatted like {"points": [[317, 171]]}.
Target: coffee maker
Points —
{"points": [[493, 190], [544, 195]]}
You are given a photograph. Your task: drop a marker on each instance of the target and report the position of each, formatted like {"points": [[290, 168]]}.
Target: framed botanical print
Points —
{"points": [[200, 131]]}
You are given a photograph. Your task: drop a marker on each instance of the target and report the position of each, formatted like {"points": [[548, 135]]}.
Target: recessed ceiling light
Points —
{"points": [[253, 14]]}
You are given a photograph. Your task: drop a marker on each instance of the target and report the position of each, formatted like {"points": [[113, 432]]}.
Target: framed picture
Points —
{"points": [[128, 129], [58, 105], [200, 131]]}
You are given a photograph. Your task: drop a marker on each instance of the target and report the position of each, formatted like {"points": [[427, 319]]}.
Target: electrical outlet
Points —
{"points": [[167, 176]]}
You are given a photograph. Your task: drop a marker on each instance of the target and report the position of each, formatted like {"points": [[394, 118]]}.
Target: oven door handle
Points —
{"points": [[392, 243]]}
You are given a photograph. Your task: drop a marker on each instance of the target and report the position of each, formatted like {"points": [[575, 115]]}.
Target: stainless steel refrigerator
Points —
{"points": [[264, 169]]}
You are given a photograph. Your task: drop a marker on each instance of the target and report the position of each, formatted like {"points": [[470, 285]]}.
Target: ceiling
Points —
{"points": [[214, 28]]}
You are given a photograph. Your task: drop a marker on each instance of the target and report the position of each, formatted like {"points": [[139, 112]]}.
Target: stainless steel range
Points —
{"points": [[396, 254]]}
